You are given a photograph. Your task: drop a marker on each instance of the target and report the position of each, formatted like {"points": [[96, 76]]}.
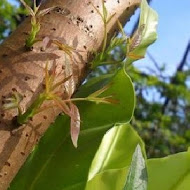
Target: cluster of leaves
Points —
{"points": [[163, 126], [162, 115], [63, 100], [134, 47], [52, 93]]}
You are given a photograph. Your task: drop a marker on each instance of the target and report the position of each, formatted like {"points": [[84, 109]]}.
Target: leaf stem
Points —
{"points": [[105, 40]]}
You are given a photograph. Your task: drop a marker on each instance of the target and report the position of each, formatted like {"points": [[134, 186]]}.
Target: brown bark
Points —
{"points": [[23, 71]]}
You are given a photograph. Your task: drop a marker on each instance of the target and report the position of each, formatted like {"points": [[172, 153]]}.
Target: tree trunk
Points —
{"points": [[22, 70]]}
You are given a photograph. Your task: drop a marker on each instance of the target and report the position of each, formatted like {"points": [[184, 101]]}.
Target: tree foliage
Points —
{"points": [[162, 115]]}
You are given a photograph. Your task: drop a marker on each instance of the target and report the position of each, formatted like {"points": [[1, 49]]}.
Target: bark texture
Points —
{"points": [[23, 71]]}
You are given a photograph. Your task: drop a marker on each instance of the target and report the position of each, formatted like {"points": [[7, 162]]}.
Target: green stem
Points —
{"points": [[76, 99], [105, 40], [31, 39], [30, 112], [88, 99]]}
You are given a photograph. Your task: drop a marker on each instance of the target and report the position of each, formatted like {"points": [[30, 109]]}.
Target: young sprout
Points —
{"points": [[65, 48], [74, 112], [13, 102], [58, 98], [104, 58], [35, 21], [106, 20], [94, 97], [49, 93], [134, 42]]}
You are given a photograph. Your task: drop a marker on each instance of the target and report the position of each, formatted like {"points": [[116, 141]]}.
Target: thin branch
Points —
{"points": [[174, 78], [156, 64]]}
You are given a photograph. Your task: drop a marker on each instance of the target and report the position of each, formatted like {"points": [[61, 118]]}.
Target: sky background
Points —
{"points": [[173, 33]]}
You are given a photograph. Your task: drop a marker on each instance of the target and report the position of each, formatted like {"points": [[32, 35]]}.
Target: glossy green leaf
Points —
{"points": [[137, 178], [170, 173], [148, 18], [108, 114], [113, 158], [55, 163]]}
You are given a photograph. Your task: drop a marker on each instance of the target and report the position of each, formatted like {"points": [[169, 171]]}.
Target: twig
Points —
{"points": [[174, 78]]}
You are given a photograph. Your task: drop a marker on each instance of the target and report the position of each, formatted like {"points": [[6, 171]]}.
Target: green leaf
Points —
{"points": [[55, 163], [149, 18], [113, 158], [170, 173], [108, 114], [137, 178]]}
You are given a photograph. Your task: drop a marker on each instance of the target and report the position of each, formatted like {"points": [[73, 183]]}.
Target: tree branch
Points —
{"points": [[174, 78], [22, 71]]}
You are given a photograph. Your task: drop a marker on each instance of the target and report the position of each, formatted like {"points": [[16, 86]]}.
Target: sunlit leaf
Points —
{"points": [[111, 163], [172, 172], [137, 178]]}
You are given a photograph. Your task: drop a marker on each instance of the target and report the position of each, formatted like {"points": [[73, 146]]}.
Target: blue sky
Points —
{"points": [[173, 33]]}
